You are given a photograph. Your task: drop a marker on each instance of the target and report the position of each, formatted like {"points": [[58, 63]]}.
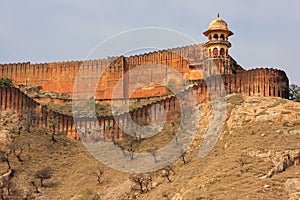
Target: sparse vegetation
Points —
{"points": [[43, 174], [6, 82], [142, 182], [221, 170], [89, 194], [6, 184], [4, 157], [99, 174], [16, 150], [294, 93], [183, 153], [167, 172], [53, 128], [153, 153]]}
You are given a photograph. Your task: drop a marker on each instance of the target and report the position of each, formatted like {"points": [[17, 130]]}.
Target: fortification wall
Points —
{"points": [[261, 81], [102, 127], [266, 82], [60, 76]]}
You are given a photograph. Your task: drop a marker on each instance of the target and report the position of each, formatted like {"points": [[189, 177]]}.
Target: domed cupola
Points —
{"points": [[217, 33]]}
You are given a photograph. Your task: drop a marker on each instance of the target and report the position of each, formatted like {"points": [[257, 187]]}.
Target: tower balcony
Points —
{"points": [[213, 42]]}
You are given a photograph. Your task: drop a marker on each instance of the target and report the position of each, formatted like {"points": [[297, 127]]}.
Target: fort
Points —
{"points": [[206, 67]]}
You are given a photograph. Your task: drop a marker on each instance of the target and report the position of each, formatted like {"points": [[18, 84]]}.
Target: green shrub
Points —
{"points": [[294, 93], [6, 82]]}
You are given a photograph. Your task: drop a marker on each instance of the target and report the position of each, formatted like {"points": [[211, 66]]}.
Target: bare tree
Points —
{"points": [[121, 146], [166, 195], [154, 153], [138, 180], [16, 131], [19, 129], [183, 153], [2, 191], [148, 183], [123, 150], [143, 182], [173, 124], [99, 174], [30, 120], [176, 136], [131, 150], [35, 185], [4, 158], [52, 128], [8, 184], [166, 172], [43, 174], [16, 150]]}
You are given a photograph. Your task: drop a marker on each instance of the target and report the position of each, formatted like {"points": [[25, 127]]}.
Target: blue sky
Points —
{"points": [[267, 33]]}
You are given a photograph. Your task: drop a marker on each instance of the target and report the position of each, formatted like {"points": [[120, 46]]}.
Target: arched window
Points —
{"points": [[216, 37], [222, 37], [222, 52], [215, 52]]}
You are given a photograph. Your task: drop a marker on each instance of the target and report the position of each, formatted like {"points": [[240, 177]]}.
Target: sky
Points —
{"points": [[266, 33]]}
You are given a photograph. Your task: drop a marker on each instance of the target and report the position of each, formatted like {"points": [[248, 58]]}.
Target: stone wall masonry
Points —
{"points": [[265, 82], [60, 76], [105, 127]]}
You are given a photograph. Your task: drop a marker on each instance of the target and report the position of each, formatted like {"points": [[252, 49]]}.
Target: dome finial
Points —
{"points": [[218, 15]]}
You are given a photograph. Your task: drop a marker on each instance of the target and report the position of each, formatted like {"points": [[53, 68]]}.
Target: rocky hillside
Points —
{"points": [[256, 157]]}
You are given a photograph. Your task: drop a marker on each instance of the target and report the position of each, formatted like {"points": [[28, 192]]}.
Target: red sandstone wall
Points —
{"points": [[266, 82], [13, 98], [60, 76]]}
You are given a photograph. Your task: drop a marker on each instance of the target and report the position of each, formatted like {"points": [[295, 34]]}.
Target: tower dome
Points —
{"points": [[217, 34], [217, 24]]}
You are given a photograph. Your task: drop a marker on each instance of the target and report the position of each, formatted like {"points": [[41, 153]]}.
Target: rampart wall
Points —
{"points": [[60, 76], [266, 82]]}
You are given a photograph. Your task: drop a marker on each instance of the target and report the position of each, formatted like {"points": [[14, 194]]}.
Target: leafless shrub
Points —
{"points": [[183, 153], [131, 149], [52, 128], [6, 183], [43, 174], [35, 185], [165, 194], [176, 137], [4, 157], [16, 150], [143, 183], [30, 120], [99, 174], [154, 153], [166, 172]]}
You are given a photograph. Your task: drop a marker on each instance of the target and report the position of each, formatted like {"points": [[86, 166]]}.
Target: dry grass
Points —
{"points": [[228, 172]]}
